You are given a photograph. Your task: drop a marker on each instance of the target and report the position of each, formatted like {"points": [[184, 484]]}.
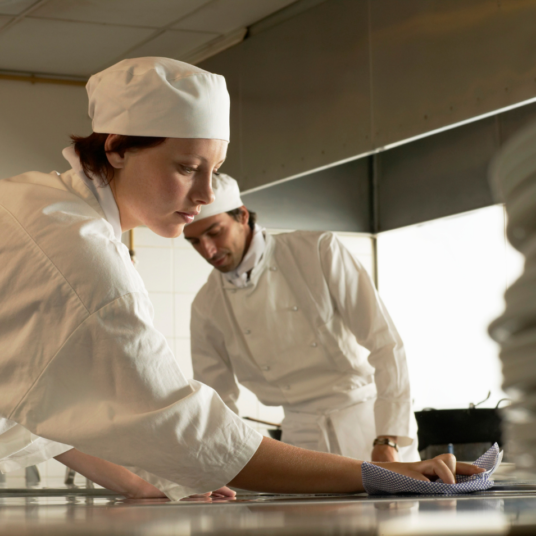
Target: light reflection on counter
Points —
{"points": [[263, 514]]}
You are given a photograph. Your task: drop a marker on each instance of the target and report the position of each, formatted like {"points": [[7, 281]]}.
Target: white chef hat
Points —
{"points": [[227, 197], [159, 97]]}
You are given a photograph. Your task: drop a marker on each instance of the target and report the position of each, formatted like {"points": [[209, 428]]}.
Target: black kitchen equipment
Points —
{"points": [[471, 425], [459, 426]]}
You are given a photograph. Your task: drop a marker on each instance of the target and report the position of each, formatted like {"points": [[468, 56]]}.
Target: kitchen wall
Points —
{"points": [[36, 121]]}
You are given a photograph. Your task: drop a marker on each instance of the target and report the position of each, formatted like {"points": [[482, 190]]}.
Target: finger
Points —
{"points": [[198, 498], [226, 492], [417, 475], [449, 460], [442, 470], [468, 469]]}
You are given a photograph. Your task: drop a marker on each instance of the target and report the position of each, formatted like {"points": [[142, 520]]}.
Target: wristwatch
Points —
{"points": [[385, 441]]}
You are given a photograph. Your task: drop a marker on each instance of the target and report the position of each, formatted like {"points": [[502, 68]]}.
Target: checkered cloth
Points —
{"points": [[378, 480]]}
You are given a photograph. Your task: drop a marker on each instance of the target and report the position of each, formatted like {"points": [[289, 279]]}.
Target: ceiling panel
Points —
{"points": [[172, 44], [4, 20], [152, 13], [15, 7], [224, 16], [436, 63], [70, 48]]}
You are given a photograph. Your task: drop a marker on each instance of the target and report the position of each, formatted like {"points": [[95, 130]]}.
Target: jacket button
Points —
{"points": [[286, 387], [295, 308], [273, 268], [314, 344], [265, 367], [247, 331]]}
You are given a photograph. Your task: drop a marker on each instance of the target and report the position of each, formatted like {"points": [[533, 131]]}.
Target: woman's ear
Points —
{"points": [[115, 159]]}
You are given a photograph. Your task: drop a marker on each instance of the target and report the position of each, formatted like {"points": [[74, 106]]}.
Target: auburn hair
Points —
{"points": [[90, 150]]}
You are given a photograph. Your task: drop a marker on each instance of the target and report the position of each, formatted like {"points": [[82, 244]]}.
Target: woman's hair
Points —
{"points": [[236, 213], [90, 150]]}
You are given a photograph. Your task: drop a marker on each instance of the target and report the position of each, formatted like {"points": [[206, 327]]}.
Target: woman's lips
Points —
{"points": [[188, 217]]}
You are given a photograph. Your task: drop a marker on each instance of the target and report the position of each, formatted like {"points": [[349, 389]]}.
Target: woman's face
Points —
{"points": [[163, 187]]}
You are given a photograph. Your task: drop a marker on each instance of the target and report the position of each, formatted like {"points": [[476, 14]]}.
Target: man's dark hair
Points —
{"points": [[237, 212]]}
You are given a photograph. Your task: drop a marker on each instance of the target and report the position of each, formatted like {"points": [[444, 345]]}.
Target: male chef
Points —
{"points": [[296, 319]]}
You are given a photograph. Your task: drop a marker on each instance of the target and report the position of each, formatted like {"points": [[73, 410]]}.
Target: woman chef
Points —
{"points": [[84, 375]]}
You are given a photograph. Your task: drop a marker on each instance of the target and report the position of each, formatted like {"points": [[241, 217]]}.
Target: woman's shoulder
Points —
{"points": [[52, 225]]}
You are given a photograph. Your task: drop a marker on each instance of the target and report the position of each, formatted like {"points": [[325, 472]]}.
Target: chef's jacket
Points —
{"points": [[82, 364], [298, 335]]}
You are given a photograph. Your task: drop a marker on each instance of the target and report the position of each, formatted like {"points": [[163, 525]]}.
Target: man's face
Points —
{"points": [[220, 240]]}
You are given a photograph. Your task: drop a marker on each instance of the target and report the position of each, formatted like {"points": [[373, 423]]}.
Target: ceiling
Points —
{"points": [[77, 38]]}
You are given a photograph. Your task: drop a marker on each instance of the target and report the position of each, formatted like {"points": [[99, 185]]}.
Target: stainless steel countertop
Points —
{"points": [[77, 513]]}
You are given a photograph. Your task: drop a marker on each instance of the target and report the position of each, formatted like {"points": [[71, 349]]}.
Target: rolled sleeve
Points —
{"points": [[114, 390]]}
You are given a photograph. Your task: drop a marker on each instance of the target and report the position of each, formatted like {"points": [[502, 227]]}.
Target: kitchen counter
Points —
{"points": [[98, 512]]}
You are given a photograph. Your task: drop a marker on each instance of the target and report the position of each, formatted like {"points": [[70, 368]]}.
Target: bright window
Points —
{"points": [[443, 283]]}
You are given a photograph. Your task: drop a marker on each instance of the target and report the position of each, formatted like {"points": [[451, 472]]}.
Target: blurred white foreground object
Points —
{"points": [[513, 177]]}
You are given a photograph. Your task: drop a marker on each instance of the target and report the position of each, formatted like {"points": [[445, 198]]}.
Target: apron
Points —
{"points": [[348, 431]]}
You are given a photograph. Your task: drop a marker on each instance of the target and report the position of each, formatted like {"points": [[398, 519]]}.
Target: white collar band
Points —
{"points": [[100, 190]]}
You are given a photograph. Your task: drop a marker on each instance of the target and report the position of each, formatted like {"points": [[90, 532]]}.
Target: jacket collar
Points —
{"points": [[265, 261], [101, 191], [239, 276]]}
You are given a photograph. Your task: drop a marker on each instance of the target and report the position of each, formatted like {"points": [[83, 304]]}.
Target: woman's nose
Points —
{"points": [[203, 194]]}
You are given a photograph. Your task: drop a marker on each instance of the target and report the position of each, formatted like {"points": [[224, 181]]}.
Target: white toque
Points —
{"points": [[227, 197], [159, 97]]}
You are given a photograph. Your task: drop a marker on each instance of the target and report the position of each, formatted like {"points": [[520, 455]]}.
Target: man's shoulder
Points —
{"points": [[311, 238]]}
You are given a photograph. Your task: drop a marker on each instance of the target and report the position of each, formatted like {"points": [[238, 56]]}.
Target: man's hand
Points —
{"points": [[385, 453]]}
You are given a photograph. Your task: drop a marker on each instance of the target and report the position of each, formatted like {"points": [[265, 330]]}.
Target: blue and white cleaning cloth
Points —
{"points": [[378, 480]]}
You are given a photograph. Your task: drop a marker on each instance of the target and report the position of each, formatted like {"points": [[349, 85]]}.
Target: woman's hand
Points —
{"points": [[444, 467], [109, 475], [222, 493]]}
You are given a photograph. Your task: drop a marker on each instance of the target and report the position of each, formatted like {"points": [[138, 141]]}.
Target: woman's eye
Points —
{"points": [[188, 170]]}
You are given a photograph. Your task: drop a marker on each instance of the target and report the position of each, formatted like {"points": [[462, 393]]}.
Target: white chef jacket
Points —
{"points": [[296, 336], [82, 364]]}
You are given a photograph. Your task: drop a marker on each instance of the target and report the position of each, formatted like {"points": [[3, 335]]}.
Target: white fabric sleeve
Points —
{"points": [[114, 390], [363, 312], [19, 448], [210, 361]]}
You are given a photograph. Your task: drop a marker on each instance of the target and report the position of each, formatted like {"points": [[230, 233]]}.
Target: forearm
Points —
{"points": [[109, 475], [280, 468]]}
